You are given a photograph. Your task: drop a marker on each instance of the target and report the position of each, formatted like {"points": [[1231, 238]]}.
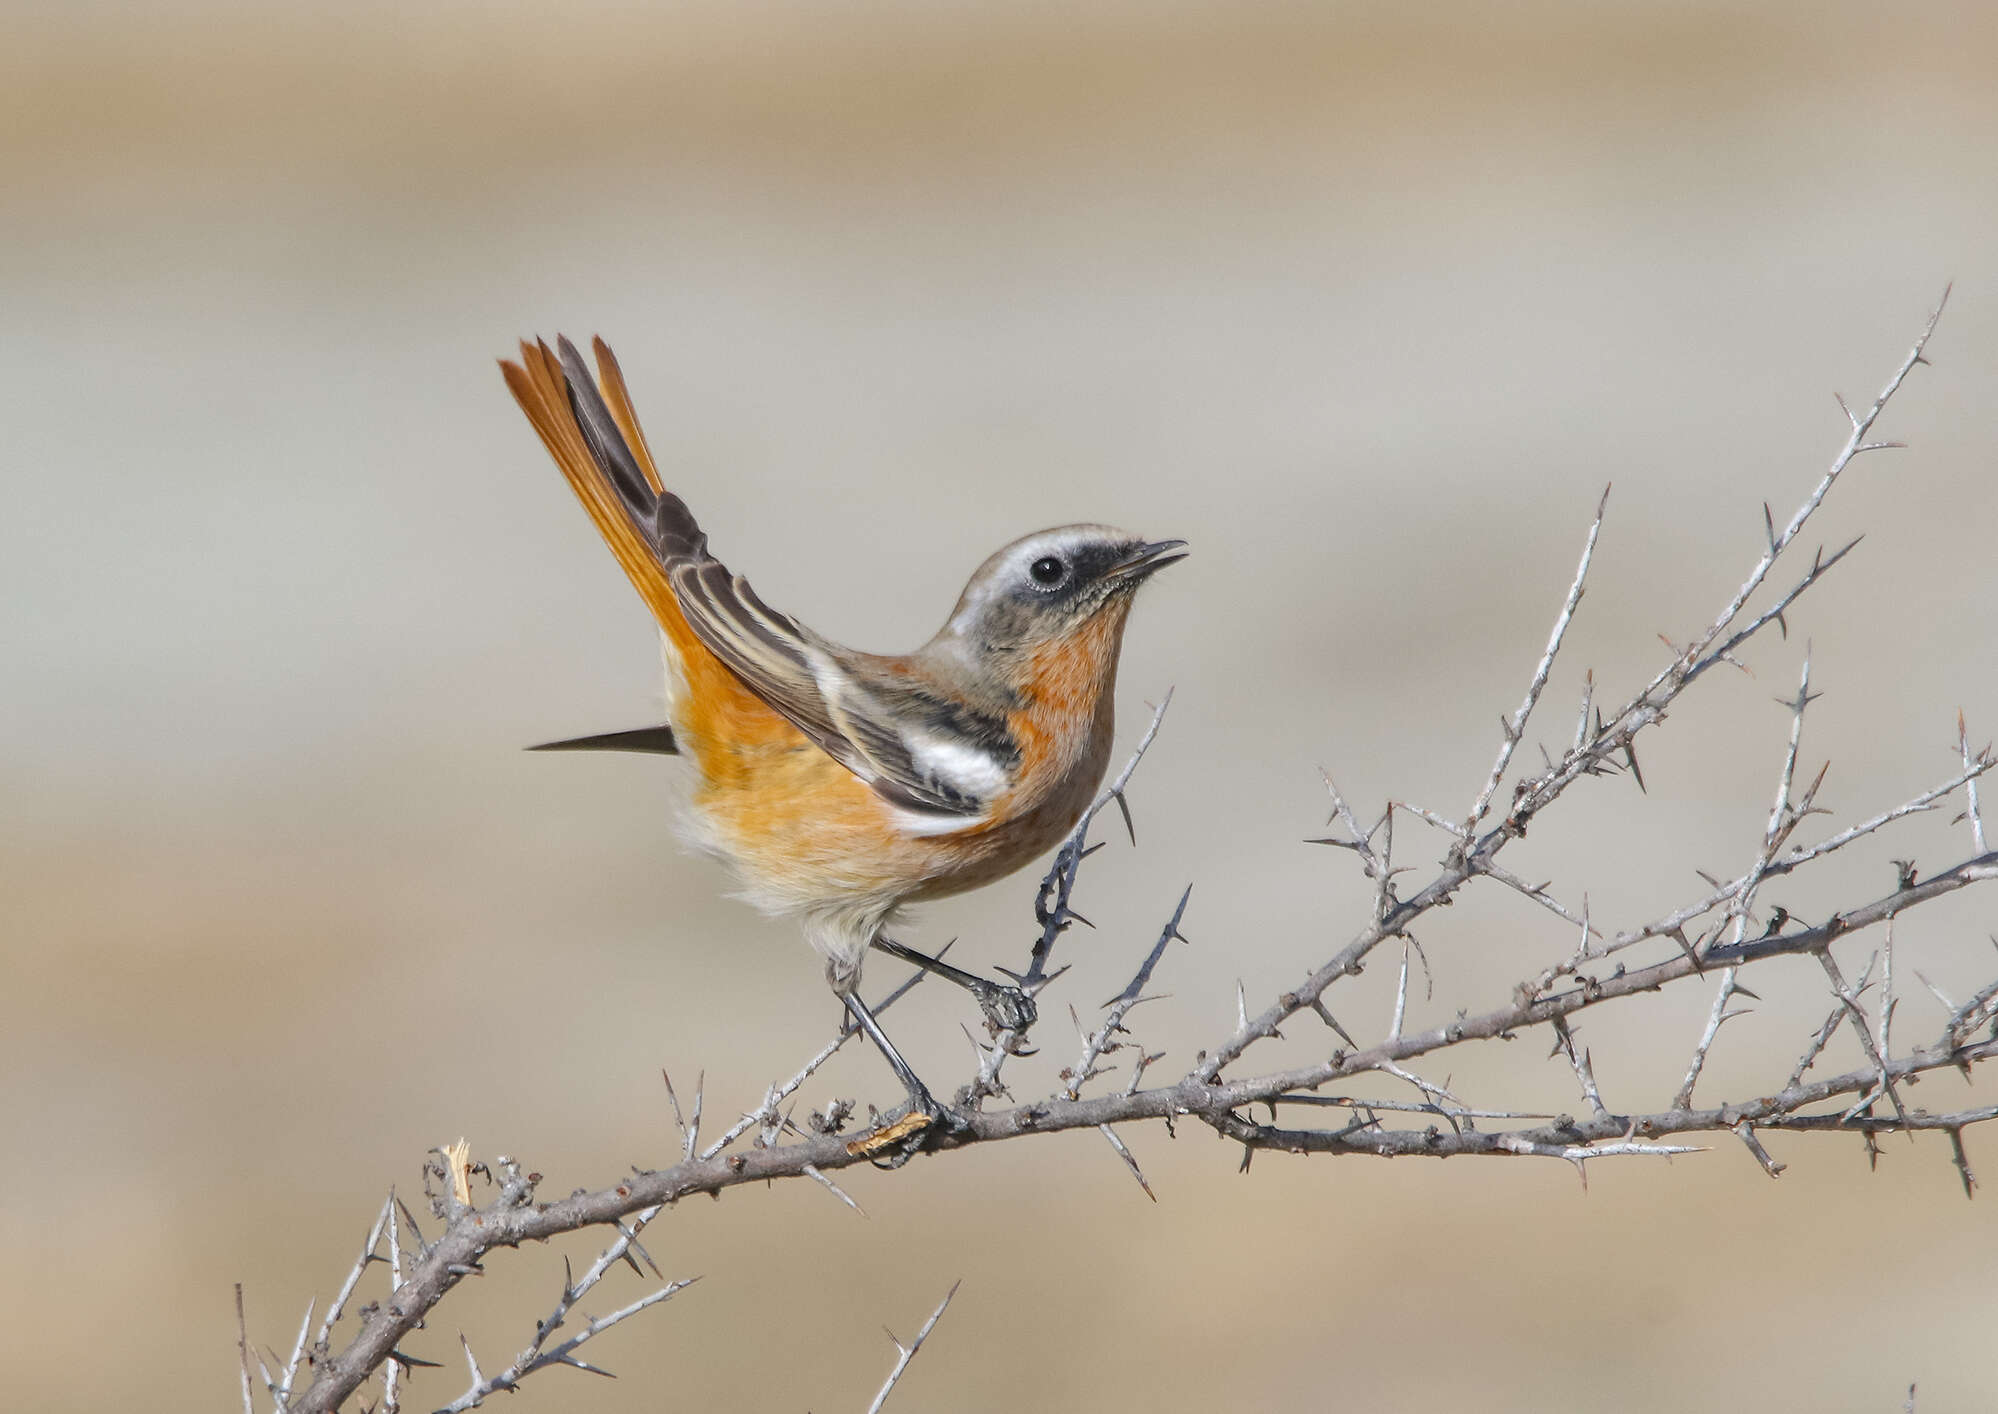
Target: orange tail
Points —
{"points": [[641, 522]]}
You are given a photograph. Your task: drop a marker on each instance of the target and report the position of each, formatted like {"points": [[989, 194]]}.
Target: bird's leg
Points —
{"points": [[937, 1119], [1007, 1008]]}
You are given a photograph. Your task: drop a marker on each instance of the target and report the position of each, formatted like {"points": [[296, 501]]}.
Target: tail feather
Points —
{"points": [[538, 386], [656, 741], [605, 439], [611, 377], [595, 440], [662, 518]]}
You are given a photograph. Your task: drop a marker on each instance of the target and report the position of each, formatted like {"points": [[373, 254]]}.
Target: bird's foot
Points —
{"points": [[923, 1125], [1006, 1008]]}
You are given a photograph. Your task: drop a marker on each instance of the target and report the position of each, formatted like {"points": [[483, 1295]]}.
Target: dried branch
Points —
{"points": [[243, 1348], [1101, 1041], [1516, 728], [1970, 780], [907, 1353]]}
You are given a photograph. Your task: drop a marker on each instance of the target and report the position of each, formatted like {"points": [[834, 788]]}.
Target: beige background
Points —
{"points": [[1368, 306]]}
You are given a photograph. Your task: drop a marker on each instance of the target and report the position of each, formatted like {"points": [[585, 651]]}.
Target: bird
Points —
{"points": [[839, 786]]}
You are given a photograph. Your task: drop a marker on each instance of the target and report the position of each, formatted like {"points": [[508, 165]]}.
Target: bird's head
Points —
{"points": [[1046, 586]]}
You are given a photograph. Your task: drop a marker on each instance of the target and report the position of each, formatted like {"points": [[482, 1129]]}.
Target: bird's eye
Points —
{"points": [[1047, 570]]}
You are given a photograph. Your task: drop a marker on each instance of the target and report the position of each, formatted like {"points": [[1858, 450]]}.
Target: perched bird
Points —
{"points": [[839, 785]]}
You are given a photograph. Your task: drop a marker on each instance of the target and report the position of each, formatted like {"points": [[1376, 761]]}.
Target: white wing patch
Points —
{"points": [[963, 767]]}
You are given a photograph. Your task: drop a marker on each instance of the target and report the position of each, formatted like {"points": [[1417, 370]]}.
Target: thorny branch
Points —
{"points": [[907, 1353], [1600, 969]]}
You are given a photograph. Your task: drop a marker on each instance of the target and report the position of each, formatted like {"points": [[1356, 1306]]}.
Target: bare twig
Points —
{"points": [[297, 1354], [1855, 445], [539, 1355], [1715, 1017], [906, 1353], [339, 1304], [1970, 783], [690, 1127], [1796, 858], [243, 1347], [1583, 1065], [1824, 1033], [1762, 1156], [1102, 1039], [1516, 728], [1863, 1030]]}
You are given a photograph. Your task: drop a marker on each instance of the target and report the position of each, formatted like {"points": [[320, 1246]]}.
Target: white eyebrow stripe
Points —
{"points": [[1061, 541]]}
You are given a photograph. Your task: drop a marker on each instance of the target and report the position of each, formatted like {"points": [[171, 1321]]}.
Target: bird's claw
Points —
{"points": [[920, 1127], [1005, 1008]]}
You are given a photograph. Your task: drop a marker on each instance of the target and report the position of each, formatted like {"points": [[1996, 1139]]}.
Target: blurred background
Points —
{"points": [[1367, 301]]}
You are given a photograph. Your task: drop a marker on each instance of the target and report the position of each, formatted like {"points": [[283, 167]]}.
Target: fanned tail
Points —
{"points": [[594, 436]]}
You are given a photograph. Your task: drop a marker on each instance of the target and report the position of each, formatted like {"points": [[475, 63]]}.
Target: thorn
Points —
{"points": [[1747, 1135], [582, 1365], [478, 1375], [816, 1175], [1130, 1162], [1318, 1005], [1630, 755], [1963, 1163]]}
